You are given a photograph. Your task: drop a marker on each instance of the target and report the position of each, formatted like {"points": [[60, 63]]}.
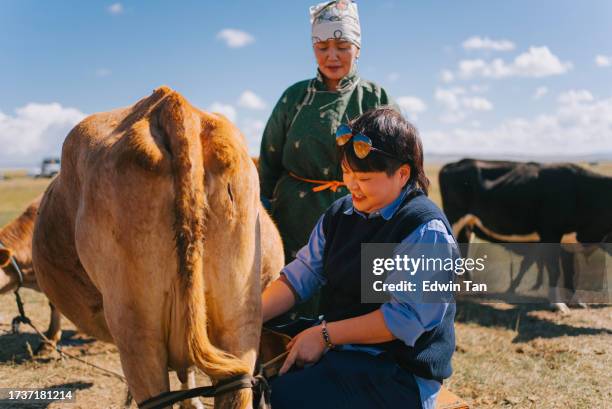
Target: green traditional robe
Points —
{"points": [[300, 138]]}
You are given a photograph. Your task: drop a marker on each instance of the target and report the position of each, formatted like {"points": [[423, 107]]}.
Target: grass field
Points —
{"points": [[506, 357], [15, 193]]}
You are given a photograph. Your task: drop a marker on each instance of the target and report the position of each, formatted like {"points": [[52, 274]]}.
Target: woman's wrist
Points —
{"points": [[326, 337], [364, 329]]}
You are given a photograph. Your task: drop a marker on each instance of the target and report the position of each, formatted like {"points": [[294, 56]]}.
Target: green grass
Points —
{"points": [[15, 194]]}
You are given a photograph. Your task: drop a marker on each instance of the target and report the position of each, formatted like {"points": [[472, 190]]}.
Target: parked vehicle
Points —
{"points": [[49, 168]]}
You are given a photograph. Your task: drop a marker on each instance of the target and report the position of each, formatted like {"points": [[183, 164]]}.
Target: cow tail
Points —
{"points": [[182, 129]]}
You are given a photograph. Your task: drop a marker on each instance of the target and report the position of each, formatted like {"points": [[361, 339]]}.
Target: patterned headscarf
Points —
{"points": [[337, 19]]}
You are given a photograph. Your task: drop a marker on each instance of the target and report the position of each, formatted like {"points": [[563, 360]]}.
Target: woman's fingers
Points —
{"points": [[290, 344], [289, 361]]}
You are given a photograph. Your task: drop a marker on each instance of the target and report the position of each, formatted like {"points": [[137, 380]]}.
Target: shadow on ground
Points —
{"points": [[14, 347], [517, 318]]}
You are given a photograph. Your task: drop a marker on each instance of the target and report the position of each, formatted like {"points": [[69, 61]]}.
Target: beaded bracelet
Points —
{"points": [[325, 334]]}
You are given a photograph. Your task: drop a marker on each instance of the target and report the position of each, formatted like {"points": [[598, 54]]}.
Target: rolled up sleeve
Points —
{"points": [[405, 317], [305, 273], [408, 322]]}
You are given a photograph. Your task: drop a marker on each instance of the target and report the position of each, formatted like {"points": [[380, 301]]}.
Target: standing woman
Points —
{"points": [[299, 169]]}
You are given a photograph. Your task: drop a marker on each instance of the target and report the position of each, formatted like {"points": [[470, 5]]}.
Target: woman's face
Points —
{"points": [[335, 58], [372, 191]]}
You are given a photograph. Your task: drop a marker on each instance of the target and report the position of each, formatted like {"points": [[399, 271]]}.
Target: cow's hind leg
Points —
{"points": [[552, 261], [141, 348], [569, 277], [53, 333], [540, 278], [526, 263], [190, 383]]}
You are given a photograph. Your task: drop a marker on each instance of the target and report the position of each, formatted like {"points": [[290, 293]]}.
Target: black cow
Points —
{"points": [[504, 201]]}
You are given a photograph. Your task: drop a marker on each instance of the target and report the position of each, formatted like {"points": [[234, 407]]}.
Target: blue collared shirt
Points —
{"points": [[405, 319]]}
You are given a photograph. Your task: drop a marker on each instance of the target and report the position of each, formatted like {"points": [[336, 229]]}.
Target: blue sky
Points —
{"points": [[478, 78]]}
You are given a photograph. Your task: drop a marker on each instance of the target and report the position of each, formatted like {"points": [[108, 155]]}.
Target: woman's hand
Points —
{"points": [[307, 347]]}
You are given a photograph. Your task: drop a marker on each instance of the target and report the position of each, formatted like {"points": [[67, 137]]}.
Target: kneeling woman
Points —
{"points": [[390, 355]]}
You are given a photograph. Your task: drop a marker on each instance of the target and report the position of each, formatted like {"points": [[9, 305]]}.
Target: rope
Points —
{"points": [[258, 383], [66, 354], [332, 185]]}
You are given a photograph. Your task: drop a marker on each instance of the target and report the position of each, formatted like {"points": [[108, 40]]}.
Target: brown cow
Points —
{"points": [[16, 237], [148, 238]]}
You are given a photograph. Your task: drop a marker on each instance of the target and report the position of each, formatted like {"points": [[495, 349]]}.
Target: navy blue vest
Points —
{"points": [[341, 296]]}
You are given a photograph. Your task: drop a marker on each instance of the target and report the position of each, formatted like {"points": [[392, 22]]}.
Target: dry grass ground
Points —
{"points": [[507, 356], [15, 192], [94, 389]]}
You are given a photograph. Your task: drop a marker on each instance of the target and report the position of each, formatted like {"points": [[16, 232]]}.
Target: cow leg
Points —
{"points": [[569, 276], [190, 383], [527, 262], [236, 330], [53, 333], [540, 278], [552, 258], [139, 339], [464, 238], [144, 366]]}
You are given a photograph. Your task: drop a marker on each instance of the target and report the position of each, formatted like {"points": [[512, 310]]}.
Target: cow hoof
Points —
{"points": [[45, 349], [191, 404], [561, 308], [579, 304]]}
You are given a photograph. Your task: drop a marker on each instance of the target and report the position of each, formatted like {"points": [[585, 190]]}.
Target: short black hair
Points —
{"points": [[392, 133]]}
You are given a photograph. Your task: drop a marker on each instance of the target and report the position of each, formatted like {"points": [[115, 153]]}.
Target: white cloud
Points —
{"points": [[36, 130], [575, 97], [115, 8], [452, 117], [447, 76], [458, 104], [248, 99], [539, 92], [477, 103], [411, 106], [479, 43], [603, 60], [235, 38], [475, 68], [448, 97], [479, 89], [580, 125], [224, 109], [103, 72], [537, 62]]}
